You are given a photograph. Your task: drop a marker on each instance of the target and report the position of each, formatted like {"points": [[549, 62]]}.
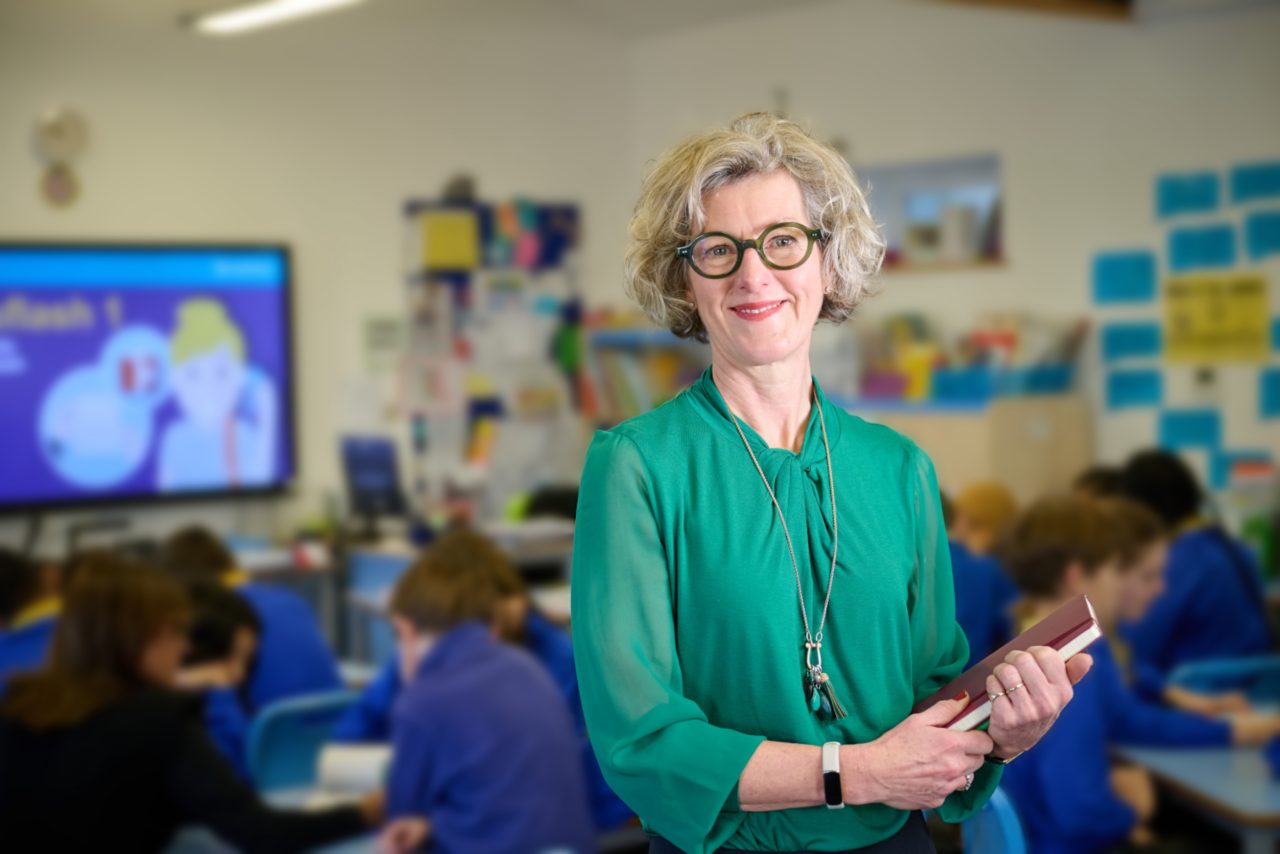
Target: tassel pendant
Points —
{"points": [[820, 696]]}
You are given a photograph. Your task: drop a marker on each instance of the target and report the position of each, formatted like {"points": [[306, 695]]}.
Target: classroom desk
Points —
{"points": [[293, 799], [1231, 787]]}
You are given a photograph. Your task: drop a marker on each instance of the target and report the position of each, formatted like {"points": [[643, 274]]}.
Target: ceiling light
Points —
{"points": [[267, 13]]}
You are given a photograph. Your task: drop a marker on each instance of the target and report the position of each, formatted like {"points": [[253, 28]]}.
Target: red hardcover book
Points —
{"points": [[1069, 630]]}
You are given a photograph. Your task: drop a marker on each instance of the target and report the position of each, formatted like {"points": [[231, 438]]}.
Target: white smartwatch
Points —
{"points": [[831, 787]]}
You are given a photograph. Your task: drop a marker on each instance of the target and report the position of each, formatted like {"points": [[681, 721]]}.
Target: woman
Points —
{"points": [[95, 748], [757, 573]]}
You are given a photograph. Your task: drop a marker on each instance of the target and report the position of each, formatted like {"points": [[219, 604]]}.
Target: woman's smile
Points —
{"points": [[756, 311]]}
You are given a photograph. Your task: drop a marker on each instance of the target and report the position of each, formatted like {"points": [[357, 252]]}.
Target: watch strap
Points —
{"points": [[832, 789]]}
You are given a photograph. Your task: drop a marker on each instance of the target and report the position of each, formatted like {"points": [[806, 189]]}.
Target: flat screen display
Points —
{"points": [[136, 372]]}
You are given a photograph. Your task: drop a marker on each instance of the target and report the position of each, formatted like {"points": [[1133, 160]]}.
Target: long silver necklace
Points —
{"points": [[819, 695]]}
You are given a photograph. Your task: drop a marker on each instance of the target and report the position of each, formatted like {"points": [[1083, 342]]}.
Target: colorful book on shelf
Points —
{"points": [[1069, 630]]}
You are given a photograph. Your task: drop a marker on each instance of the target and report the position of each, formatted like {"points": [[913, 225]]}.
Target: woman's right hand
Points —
{"points": [[918, 763]]}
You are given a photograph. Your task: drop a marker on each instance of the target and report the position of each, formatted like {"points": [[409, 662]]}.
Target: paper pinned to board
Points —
{"points": [[1251, 181], [1124, 277], [1190, 428], [1128, 389], [450, 239], [1194, 192], [1130, 340], [1262, 234], [1209, 246], [1217, 318]]}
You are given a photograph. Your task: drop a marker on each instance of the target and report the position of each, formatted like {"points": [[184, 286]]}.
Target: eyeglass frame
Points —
{"points": [[819, 235]]}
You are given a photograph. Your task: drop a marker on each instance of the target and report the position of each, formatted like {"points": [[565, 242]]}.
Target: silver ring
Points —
{"points": [[968, 781], [994, 697], [1014, 688]]}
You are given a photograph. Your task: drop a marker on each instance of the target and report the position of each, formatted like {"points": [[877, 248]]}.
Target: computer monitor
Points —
{"points": [[373, 480]]}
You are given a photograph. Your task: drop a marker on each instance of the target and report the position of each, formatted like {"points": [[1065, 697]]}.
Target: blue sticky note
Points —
{"points": [[1251, 181], [1127, 340], [1210, 246], [1190, 428], [1196, 192], [1221, 463], [1269, 394], [1262, 234], [1124, 277], [1127, 389]]}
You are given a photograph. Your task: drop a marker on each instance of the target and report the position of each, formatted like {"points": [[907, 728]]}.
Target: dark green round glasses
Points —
{"points": [[783, 246]]}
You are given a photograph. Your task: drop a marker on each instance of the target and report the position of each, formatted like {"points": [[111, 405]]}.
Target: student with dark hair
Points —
{"points": [[98, 750], [1099, 482], [29, 607], [222, 645], [484, 754], [1213, 604], [293, 656]]}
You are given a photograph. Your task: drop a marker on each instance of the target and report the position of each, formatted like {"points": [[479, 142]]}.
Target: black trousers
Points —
{"points": [[913, 838]]}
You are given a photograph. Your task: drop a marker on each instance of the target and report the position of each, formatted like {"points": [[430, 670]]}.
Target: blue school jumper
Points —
{"points": [[983, 597], [1212, 607], [484, 748], [293, 656], [1133, 720], [370, 718], [26, 645], [228, 727], [1062, 786]]}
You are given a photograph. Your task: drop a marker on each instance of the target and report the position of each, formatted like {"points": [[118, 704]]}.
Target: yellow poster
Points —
{"points": [[1217, 318], [450, 240]]}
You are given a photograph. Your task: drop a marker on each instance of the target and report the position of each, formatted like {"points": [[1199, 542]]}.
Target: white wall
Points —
{"points": [[1083, 113], [314, 134]]}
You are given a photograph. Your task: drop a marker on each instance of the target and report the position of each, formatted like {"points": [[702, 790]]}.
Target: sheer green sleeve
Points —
{"points": [[657, 749], [939, 647]]}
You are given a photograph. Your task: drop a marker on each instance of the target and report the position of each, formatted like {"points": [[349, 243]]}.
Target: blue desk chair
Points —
{"points": [[995, 829], [286, 737], [1257, 677]]}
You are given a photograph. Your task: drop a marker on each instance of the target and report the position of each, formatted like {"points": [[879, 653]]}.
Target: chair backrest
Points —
{"points": [[1257, 676], [286, 737], [995, 829]]}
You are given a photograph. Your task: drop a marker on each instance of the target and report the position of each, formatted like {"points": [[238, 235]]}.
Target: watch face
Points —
{"points": [[832, 790]]}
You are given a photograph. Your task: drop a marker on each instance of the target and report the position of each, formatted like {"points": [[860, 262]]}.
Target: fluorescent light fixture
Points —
{"points": [[267, 13]]}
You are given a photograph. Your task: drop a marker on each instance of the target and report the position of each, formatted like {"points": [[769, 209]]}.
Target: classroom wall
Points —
{"points": [[1084, 114], [314, 134]]}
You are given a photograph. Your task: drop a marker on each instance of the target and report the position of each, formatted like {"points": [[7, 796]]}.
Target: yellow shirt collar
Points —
{"points": [[41, 609], [235, 578]]}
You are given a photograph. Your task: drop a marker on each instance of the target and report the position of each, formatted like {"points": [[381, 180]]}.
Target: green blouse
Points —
{"points": [[686, 621]]}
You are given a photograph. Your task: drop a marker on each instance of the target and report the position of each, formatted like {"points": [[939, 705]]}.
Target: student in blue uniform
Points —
{"points": [[29, 606], [1141, 554], [293, 656], [222, 644], [516, 622], [1067, 797], [984, 594], [484, 753], [1212, 605]]}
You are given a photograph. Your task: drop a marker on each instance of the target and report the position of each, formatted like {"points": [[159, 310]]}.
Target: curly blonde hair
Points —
{"points": [[670, 213]]}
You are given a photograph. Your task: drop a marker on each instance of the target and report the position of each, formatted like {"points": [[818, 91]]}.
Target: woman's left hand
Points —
{"points": [[1032, 689]]}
